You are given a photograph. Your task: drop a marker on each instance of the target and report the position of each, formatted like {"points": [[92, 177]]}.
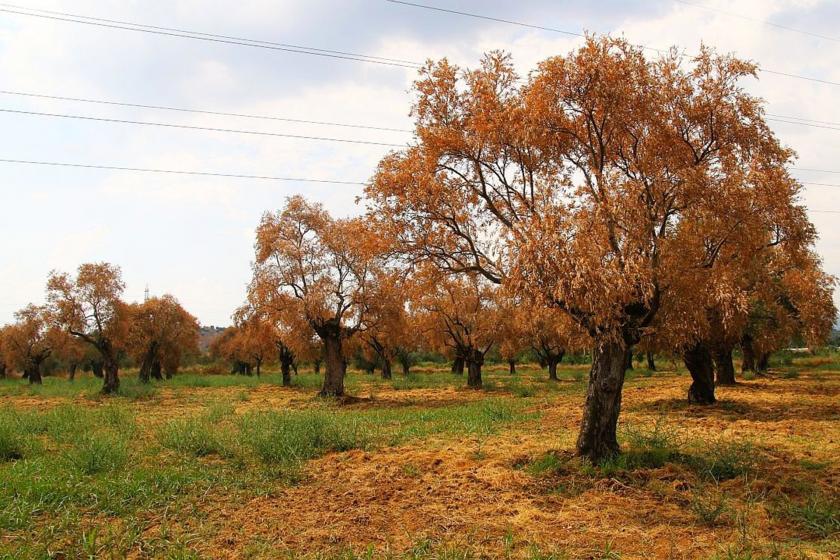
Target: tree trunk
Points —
{"points": [[406, 367], [552, 370], [474, 363], [386, 368], [763, 362], [286, 364], [650, 363], [2, 370], [629, 358], [259, 365], [96, 368], [111, 381], [512, 367], [458, 365], [170, 371], [597, 439], [156, 370], [71, 373], [334, 362], [316, 365], [33, 373], [145, 374], [748, 363], [698, 360], [724, 368]]}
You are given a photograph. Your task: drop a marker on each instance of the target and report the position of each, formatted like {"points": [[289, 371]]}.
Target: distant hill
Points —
{"points": [[206, 336]]}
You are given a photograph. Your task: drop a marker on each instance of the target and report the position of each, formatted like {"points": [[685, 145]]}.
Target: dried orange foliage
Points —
{"points": [[90, 308], [458, 315], [607, 187], [30, 341], [162, 332], [322, 270]]}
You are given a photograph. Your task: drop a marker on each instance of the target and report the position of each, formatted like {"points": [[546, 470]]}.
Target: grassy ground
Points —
{"points": [[419, 467]]}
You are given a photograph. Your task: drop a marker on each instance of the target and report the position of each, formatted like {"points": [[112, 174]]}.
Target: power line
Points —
{"points": [[802, 119], [209, 37], [201, 111], [758, 20], [179, 172], [201, 128], [815, 170], [564, 32], [800, 122]]}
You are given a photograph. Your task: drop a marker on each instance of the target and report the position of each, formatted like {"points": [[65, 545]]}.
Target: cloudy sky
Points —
{"points": [[192, 236]]}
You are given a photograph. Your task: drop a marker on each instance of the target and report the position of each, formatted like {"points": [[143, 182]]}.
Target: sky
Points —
{"points": [[193, 236]]}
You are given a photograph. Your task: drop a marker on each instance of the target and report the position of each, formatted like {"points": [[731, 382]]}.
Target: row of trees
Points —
{"points": [[617, 203], [86, 322]]}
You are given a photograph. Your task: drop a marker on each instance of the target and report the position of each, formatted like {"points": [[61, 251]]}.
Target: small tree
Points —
{"points": [[30, 341], [161, 333], [322, 268], [458, 313], [90, 308]]}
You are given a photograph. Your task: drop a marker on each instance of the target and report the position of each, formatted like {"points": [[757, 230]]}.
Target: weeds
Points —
{"points": [[98, 453], [817, 516]]}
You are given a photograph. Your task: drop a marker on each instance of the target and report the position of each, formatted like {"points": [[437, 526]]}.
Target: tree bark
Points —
{"points": [[650, 363], [287, 361], [316, 365], [597, 439], [33, 373], [259, 366], [763, 362], [748, 363], [111, 380], [552, 360], [698, 360], [156, 370], [474, 362], [145, 374], [2, 370], [458, 365], [724, 368], [629, 359], [71, 372], [96, 368], [512, 367], [386, 368], [333, 360]]}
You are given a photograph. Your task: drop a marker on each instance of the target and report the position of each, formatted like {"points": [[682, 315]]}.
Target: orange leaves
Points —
{"points": [[608, 186]]}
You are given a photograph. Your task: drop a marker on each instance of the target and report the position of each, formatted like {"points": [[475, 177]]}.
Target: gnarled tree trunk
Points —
{"points": [[650, 363], [386, 368], [330, 334], [475, 360], [111, 380], [763, 363], [512, 367], [156, 370], [597, 438], [698, 360], [748, 362], [287, 361], [33, 373], [724, 368], [458, 365], [71, 372], [552, 360], [146, 364], [96, 368]]}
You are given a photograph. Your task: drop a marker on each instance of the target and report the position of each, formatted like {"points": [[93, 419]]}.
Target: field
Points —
{"points": [[419, 467]]}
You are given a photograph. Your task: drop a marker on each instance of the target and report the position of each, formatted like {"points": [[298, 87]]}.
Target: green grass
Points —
{"points": [[817, 515], [65, 461]]}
